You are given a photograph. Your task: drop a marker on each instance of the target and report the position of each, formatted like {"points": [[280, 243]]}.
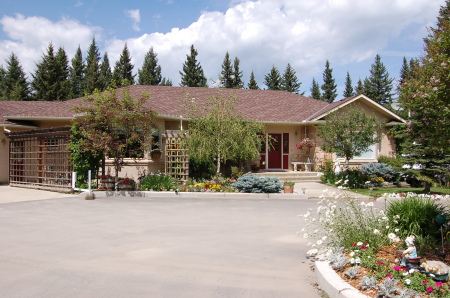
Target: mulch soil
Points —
{"points": [[388, 254]]}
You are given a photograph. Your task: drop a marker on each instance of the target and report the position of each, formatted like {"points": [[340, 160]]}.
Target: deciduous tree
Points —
{"points": [[218, 132], [349, 132], [116, 124]]}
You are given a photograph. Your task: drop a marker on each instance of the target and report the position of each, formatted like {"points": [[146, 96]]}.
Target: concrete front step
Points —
{"points": [[293, 176]]}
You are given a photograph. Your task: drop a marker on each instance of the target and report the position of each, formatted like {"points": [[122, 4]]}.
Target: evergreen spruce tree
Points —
{"points": [[105, 74], [289, 81], [14, 85], [273, 79], [123, 71], [404, 72], [315, 90], [51, 78], [329, 93], [2, 82], [166, 82], [359, 88], [76, 75], [252, 83], [192, 74], [425, 95], [92, 71], [150, 74], [348, 92], [378, 85], [226, 75], [237, 75]]}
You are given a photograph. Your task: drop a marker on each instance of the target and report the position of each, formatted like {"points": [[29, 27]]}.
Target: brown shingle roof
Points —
{"points": [[260, 105]]}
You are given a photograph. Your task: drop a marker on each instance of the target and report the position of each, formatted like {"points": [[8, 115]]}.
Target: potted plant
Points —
{"points": [[305, 143], [107, 182], [156, 153], [288, 187], [126, 184]]}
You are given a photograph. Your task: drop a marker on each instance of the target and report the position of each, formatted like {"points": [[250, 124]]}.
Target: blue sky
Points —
{"points": [[262, 33]]}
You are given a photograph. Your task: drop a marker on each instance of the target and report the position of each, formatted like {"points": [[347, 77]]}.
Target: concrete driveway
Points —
{"points": [[154, 247]]}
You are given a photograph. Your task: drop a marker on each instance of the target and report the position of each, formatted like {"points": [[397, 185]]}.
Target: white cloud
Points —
{"points": [[260, 33], [30, 37], [135, 16]]}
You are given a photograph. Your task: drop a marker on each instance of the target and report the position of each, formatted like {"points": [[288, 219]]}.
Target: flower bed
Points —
{"points": [[361, 244]]}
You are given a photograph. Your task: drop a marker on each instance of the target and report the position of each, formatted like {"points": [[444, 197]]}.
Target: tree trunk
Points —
{"points": [[218, 168], [427, 188]]}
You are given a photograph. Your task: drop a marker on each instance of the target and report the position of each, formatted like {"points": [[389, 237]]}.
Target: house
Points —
{"points": [[34, 135]]}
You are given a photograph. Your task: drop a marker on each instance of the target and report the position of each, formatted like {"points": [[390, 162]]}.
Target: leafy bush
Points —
{"points": [[157, 182], [255, 184], [203, 185], [328, 177], [352, 177], [416, 214], [375, 170], [394, 162]]}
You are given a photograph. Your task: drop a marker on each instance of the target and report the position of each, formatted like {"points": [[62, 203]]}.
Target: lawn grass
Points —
{"points": [[382, 190]]}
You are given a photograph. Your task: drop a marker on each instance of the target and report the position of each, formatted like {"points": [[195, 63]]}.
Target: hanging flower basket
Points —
{"points": [[156, 153], [305, 143]]}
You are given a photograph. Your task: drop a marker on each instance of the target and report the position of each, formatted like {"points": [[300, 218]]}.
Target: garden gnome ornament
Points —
{"points": [[411, 251]]}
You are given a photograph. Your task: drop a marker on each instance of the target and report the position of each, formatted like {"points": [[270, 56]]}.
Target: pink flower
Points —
{"points": [[438, 284], [430, 289], [389, 276], [397, 268], [380, 262], [425, 282]]}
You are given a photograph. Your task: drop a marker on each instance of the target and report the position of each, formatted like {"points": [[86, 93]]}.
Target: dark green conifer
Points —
{"points": [[348, 92], [378, 85], [105, 74], [315, 90], [226, 75], [92, 71], [289, 81], [123, 70], [14, 85], [252, 83], [150, 74], [329, 87], [192, 74], [237, 75], [76, 75], [273, 79]]}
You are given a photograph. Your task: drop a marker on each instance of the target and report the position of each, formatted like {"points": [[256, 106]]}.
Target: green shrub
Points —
{"points": [[416, 214], [157, 182], [375, 170], [328, 177], [394, 162], [255, 184]]}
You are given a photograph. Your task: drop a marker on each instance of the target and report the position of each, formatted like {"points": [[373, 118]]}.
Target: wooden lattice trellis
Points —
{"points": [[176, 156], [40, 158]]}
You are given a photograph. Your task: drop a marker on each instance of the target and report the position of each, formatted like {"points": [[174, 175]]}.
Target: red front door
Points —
{"points": [[274, 151]]}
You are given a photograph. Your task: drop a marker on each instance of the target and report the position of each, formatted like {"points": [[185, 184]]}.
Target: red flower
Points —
{"points": [[363, 247], [354, 244], [430, 289], [425, 282]]}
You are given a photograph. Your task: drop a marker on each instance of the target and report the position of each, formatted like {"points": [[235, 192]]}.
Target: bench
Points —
{"points": [[307, 165]]}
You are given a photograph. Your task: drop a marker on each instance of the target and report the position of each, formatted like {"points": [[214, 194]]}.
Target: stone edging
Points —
{"points": [[228, 195], [330, 282]]}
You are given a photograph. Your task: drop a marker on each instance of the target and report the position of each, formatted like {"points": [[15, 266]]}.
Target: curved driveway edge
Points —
{"points": [[330, 282]]}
